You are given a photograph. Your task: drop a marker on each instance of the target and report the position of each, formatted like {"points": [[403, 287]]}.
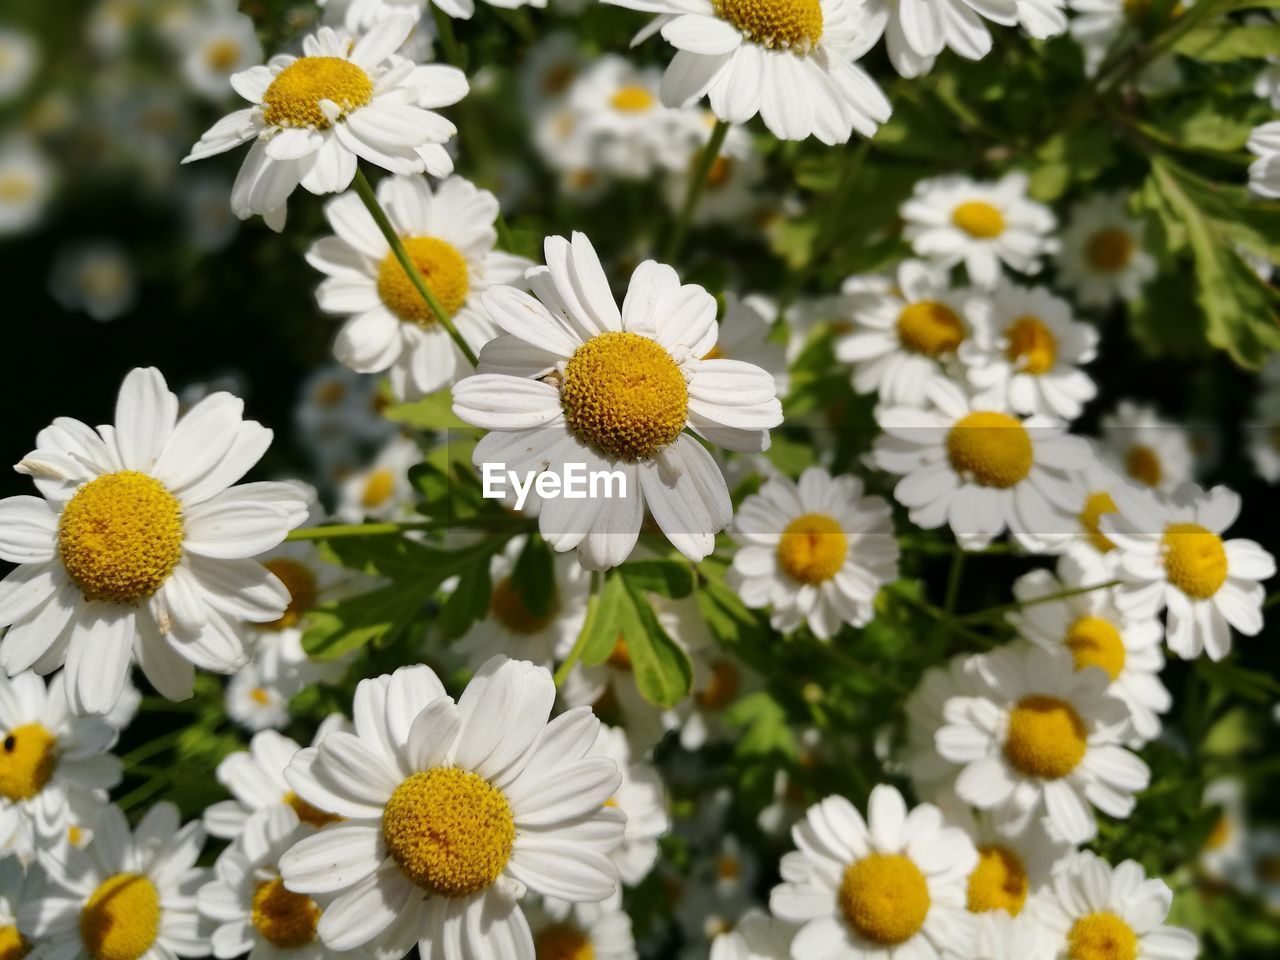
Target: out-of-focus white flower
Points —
{"points": [[96, 277], [1141, 445], [1264, 173], [215, 48], [1103, 258], [26, 184], [19, 60]]}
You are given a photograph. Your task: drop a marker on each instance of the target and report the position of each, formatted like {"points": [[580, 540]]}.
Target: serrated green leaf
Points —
{"points": [[432, 412], [662, 670], [1224, 41], [534, 577], [469, 600], [668, 577], [615, 617]]}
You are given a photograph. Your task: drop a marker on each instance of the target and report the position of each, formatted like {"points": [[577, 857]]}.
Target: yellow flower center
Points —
{"points": [[1032, 347], [718, 175], [508, 608], [378, 488], [1195, 561], [1101, 936], [1096, 506], [1095, 642], [632, 99], [28, 757], [309, 814], [293, 99], [1046, 737], [812, 548], [789, 24], [999, 882], [728, 867], [992, 448], [261, 696], [442, 267], [563, 941], [930, 327], [120, 536], [121, 919], [1143, 464], [222, 55], [299, 580], [15, 189], [557, 77], [1110, 250], [1219, 836], [625, 395], [13, 945], [286, 919], [978, 219], [722, 688], [884, 898], [620, 655], [450, 830]]}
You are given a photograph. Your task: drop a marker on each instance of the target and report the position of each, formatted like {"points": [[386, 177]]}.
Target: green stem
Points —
{"points": [[448, 39], [584, 635], [370, 199], [942, 617], [1160, 45], [693, 193], [148, 789], [989, 612], [147, 750], [338, 530], [953, 581]]}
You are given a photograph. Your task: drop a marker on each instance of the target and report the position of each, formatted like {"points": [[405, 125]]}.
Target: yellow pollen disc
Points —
{"points": [[121, 919], [625, 395], [120, 537], [299, 580], [1219, 836], [450, 830], [557, 78], [1110, 250], [331, 394], [620, 655], [722, 689], [930, 327], [286, 919], [508, 608], [718, 175], [1032, 347], [978, 219], [75, 836], [442, 267], [728, 867], [999, 882], [632, 99], [993, 448], [309, 814], [1046, 738], [884, 898], [293, 99], [14, 189], [563, 941], [1143, 464], [812, 548], [789, 24], [13, 945], [378, 488], [1101, 936], [1095, 642], [222, 55], [260, 696], [1095, 508], [1195, 561], [28, 757]]}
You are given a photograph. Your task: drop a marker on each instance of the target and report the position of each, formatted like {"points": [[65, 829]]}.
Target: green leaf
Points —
{"points": [[534, 577], [764, 724], [615, 617], [731, 622], [339, 627], [1212, 122], [469, 600], [662, 670], [1224, 41], [670, 578], [432, 412]]}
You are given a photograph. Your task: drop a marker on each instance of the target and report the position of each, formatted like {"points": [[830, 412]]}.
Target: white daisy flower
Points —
{"points": [[719, 682], [125, 895], [549, 69], [1264, 448], [732, 189], [1095, 489], [453, 812], [643, 798], [313, 116], [1027, 351], [253, 913], [253, 702], [337, 406], [866, 890], [1264, 173], [381, 491], [511, 627], [817, 551], [719, 890], [1013, 866], [140, 548], [1100, 26], [97, 277], [1172, 555], [1143, 446], [757, 936], [998, 936], [791, 63], [450, 236], [1097, 633], [210, 224], [13, 883], [26, 184], [1103, 257], [217, 47], [978, 469], [916, 31], [903, 333], [19, 60], [933, 777], [1098, 911], [986, 226], [746, 333], [1042, 738], [55, 767], [1225, 855], [604, 935], [256, 780], [574, 380]]}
